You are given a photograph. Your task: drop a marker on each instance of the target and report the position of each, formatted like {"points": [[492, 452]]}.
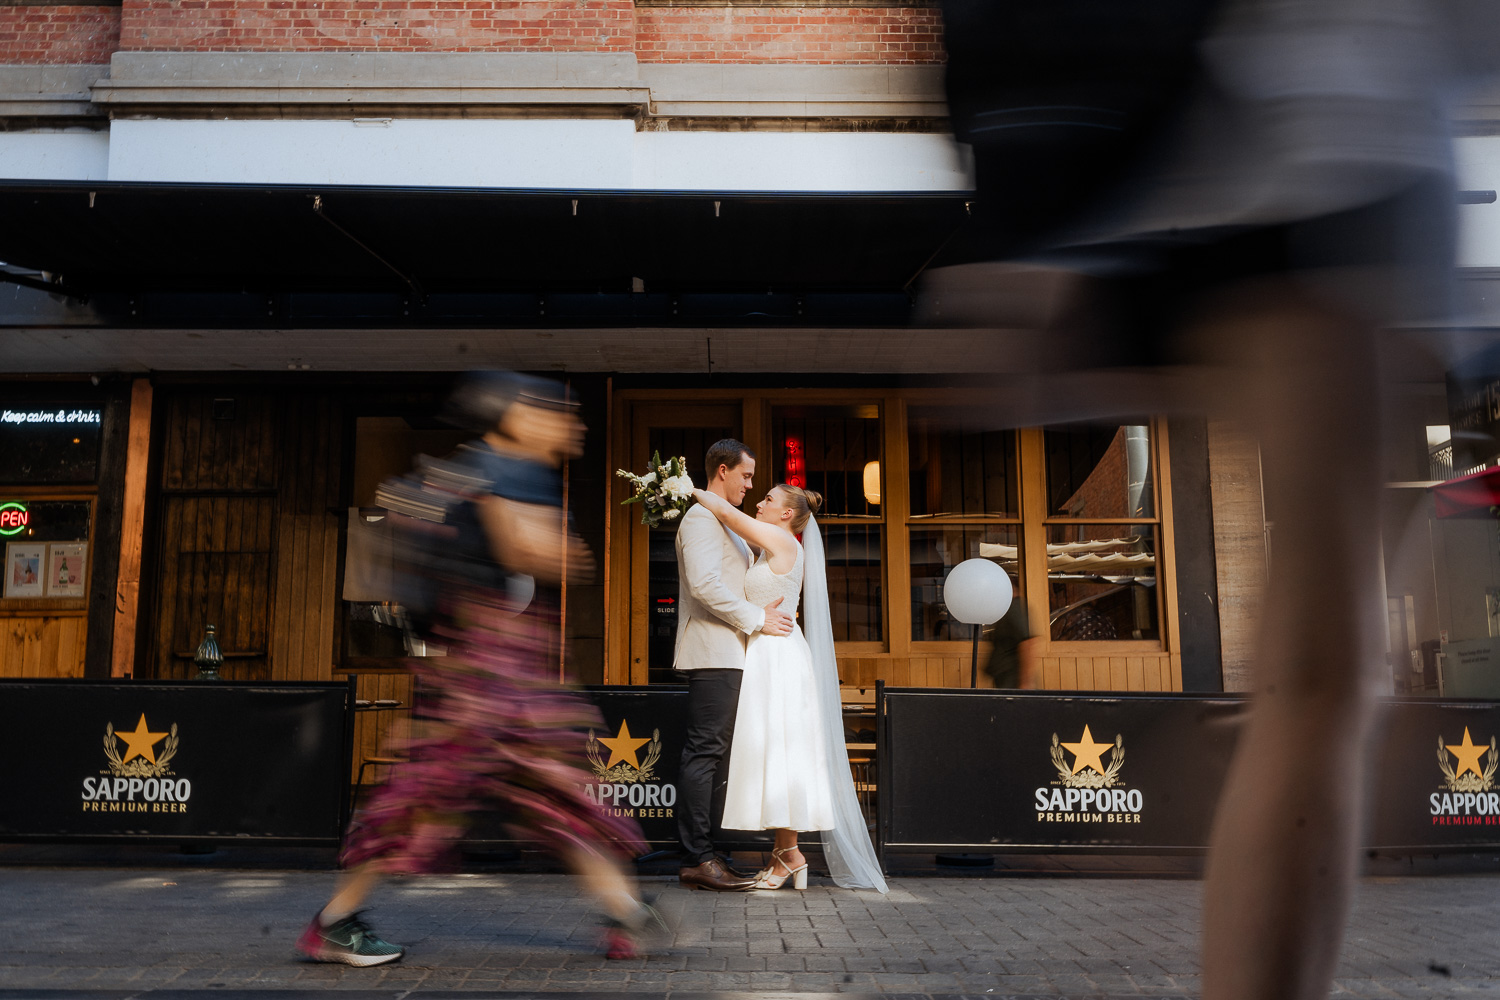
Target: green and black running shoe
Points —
{"points": [[349, 941]]}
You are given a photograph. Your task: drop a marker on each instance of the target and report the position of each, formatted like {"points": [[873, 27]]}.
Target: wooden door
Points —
{"points": [[220, 470], [685, 429]]}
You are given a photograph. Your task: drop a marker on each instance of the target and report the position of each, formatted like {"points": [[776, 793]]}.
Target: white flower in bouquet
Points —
{"points": [[680, 487], [664, 492]]}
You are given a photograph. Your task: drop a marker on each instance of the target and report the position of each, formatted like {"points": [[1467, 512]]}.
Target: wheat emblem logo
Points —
{"points": [[1468, 777], [623, 765], [1107, 776], [139, 766]]}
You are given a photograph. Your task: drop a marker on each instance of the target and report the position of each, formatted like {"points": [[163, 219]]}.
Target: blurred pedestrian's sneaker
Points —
{"points": [[349, 941], [632, 937]]}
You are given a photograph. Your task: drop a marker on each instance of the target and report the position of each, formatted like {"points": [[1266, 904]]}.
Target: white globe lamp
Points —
{"points": [[977, 592]]}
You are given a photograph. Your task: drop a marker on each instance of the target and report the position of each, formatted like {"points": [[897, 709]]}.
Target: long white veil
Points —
{"points": [[847, 848]]}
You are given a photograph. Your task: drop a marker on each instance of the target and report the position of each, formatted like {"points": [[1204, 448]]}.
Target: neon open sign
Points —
{"points": [[14, 518]]}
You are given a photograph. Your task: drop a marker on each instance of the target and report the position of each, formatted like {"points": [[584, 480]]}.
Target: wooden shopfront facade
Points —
{"points": [[1083, 518], [244, 494]]}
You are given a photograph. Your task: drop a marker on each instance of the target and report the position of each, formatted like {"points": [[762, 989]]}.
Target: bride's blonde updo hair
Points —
{"points": [[802, 503]]}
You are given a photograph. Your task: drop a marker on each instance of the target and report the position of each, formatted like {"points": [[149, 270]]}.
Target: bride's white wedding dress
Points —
{"points": [[776, 779], [788, 767]]}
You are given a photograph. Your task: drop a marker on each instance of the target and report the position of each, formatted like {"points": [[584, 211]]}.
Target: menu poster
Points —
{"points": [[65, 569], [24, 565]]}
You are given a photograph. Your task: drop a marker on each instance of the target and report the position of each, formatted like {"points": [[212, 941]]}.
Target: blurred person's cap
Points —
{"points": [[481, 399]]}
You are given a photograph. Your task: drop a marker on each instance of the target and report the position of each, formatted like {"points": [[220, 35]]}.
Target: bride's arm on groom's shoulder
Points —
{"points": [[700, 547], [775, 540]]}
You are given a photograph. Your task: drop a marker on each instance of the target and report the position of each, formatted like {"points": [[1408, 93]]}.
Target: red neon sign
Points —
{"points": [[14, 518], [794, 466]]}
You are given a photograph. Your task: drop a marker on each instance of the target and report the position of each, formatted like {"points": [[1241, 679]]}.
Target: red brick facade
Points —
{"points": [[789, 34], [656, 34], [58, 34], [378, 25]]}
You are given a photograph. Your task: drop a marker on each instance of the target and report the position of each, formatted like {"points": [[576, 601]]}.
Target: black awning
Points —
{"points": [[131, 239]]}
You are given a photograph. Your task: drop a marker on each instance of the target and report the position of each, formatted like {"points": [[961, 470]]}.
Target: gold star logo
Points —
{"points": [[1468, 755], [623, 747], [1086, 752], [140, 743]]}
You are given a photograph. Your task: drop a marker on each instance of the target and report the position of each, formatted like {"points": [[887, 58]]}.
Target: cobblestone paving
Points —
{"points": [[91, 931]]}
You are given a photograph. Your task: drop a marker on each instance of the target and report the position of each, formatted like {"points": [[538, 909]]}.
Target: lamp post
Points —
{"points": [[978, 592]]}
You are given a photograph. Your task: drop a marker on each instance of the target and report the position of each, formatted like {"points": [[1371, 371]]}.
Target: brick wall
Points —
{"points": [[656, 34], [378, 25], [58, 34], [789, 34]]}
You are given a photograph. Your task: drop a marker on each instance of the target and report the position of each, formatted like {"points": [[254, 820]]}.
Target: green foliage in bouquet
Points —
{"points": [[665, 492]]}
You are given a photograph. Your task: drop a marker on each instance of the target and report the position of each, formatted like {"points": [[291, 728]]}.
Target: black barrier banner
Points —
{"points": [[1435, 775], [633, 760], [181, 761], [636, 756], [984, 770]]}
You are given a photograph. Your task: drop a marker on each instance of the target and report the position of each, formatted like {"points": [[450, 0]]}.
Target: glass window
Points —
{"points": [[49, 442], [854, 581], [959, 465], [1100, 471], [935, 550], [834, 450], [1101, 581]]}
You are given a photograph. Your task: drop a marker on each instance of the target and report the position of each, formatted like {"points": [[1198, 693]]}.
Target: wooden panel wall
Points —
{"points": [[248, 537], [42, 647], [380, 732], [911, 671], [307, 547], [1146, 671], [1240, 547], [1140, 672], [216, 570]]}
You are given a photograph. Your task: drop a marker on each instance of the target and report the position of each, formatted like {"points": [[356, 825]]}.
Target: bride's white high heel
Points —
{"points": [[767, 880]]}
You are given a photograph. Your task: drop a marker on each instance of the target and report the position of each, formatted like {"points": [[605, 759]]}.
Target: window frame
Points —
{"points": [[896, 522]]}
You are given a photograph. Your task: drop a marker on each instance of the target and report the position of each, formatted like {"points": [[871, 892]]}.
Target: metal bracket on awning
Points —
{"points": [[411, 282], [51, 287]]}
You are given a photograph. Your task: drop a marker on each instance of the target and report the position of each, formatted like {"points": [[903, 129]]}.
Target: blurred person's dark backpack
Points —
{"points": [[437, 539], [1059, 100]]}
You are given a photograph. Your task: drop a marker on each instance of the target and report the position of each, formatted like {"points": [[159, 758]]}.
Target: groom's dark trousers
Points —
{"points": [[713, 697]]}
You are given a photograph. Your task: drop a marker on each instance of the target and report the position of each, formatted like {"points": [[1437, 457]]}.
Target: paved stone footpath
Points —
{"points": [[110, 934]]}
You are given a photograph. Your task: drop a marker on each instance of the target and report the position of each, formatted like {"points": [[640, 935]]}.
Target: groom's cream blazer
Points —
{"points": [[714, 621]]}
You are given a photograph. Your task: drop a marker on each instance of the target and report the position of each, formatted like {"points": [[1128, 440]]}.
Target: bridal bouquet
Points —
{"points": [[664, 492]]}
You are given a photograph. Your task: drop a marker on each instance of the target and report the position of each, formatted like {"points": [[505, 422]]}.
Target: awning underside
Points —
{"points": [[482, 253]]}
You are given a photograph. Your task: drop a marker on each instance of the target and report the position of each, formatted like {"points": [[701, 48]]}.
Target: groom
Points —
{"points": [[714, 622]]}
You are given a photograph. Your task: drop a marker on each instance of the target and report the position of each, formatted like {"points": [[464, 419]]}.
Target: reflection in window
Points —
{"points": [[934, 552], [834, 450], [854, 593], [959, 466], [1101, 581], [1100, 470]]}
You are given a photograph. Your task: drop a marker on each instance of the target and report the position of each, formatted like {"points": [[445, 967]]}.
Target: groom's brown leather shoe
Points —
{"points": [[712, 876], [734, 872]]}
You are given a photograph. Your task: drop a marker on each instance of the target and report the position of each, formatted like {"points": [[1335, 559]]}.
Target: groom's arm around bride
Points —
{"points": [[714, 622]]}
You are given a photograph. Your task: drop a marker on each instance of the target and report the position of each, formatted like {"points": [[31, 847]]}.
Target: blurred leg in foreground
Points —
{"points": [[1238, 194]]}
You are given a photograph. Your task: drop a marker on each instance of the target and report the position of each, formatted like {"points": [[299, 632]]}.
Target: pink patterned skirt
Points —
{"points": [[500, 734]]}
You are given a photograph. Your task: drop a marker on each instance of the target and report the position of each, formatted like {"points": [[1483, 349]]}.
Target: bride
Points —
{"points": [[788, 769]]}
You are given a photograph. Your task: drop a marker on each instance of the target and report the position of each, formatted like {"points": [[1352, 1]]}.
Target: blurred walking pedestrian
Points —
{"points": [[498, 731], [1234, 195]]}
